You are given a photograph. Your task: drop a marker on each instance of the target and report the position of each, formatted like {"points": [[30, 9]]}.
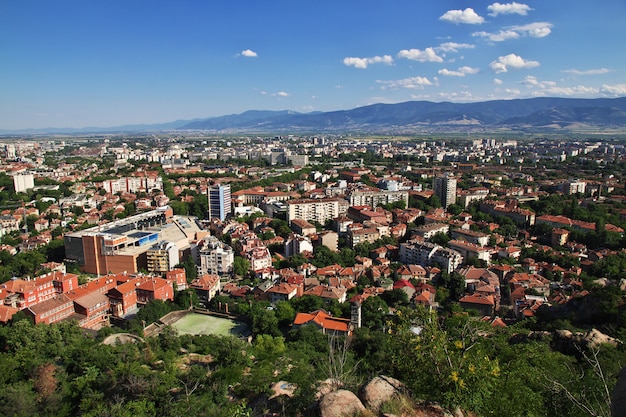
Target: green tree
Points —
{"points": [[241, 266]]}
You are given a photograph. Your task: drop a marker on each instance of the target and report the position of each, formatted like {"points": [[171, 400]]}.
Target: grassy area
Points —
{"points": [[202, 324]]}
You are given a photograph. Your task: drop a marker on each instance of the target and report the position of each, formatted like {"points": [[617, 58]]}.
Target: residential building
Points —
{"points": [[427, 254], [296, 244], [155, 289], [444, 188], [220, 206], [23, 182], [303, 227], [326, 238], [477, 238], [162, 257], [133, 185], [361, 235], [470, 250], [216, 258], [178, 278], [374, 197], [282, 292], [206, 287], [318, 210], [259, 257], [573, 186], [426, 231], [325, 322]]}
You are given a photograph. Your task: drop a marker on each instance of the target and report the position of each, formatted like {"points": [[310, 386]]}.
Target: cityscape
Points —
{"points": [[99, 229], [327, 209]]}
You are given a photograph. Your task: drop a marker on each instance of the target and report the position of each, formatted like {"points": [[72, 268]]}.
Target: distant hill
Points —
{"points": [[545, 113]]}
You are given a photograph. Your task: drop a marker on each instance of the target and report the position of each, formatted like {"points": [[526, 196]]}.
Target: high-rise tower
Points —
{"points": [[219, 201], [445, 189]]}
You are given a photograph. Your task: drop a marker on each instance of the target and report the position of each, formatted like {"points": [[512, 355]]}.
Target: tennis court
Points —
{"points": [[194, 323]]}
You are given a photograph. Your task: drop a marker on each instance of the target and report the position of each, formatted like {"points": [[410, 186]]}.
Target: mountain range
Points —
{"points": [[534, 114]]}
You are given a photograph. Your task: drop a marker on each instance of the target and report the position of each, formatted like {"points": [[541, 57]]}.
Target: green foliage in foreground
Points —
{"points": [[58, 371]]}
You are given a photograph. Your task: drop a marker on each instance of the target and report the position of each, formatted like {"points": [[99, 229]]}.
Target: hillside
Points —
{"points": [[535, 114]]}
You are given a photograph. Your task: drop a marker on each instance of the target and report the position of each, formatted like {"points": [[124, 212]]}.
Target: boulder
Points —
{"points": [[379, 390], [594, 338], [340, 403], [327, 386], [570, 343]]}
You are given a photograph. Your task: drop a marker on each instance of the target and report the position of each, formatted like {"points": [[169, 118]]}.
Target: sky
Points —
{"points": [[80, 63]]}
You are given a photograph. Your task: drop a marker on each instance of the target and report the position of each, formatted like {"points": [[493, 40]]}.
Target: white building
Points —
{"points": [[23, 182], [427, 253], [216, 258], [375, 198], [296, 244], [318, 210]]}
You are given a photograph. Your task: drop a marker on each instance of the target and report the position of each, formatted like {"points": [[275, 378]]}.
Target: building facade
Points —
{"points": [[444, 188], [220, 206]]}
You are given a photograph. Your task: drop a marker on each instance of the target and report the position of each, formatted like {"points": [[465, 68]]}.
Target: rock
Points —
{"points": [[602, 282], [618, 400], [379, 390], [340, 403], [594, 338], [327, 386], [572, 343]]}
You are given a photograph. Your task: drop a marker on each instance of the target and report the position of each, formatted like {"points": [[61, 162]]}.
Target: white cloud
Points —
{"points": [[453, 46], [532, 82], [364, 62], [551, 88], [614, 90], [498, 81], [503, 35], [508, 8], [468, 16], [461, 72], [410, 83], [282, 94], [427, 55], [597, 71], [503, 63], [534, 30], [249, 53]]}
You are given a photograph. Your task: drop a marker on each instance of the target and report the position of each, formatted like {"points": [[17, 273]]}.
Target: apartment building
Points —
{"points": [[427, 254], [318, 210]]}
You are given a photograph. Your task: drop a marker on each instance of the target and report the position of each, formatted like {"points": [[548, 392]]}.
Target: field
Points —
{"points": [[194, 323]]}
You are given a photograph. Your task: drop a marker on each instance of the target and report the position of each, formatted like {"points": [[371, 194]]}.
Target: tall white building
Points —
{"points": [[220, 206], [216, 258], [444, 188], [23, 182]]}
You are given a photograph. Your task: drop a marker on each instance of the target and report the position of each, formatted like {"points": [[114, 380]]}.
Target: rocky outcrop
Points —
{"points": [[571, 343], [373, 394], [379, 390], [340, 403]]}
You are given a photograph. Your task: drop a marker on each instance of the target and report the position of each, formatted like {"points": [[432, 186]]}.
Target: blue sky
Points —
{"points": [[106, 63]]}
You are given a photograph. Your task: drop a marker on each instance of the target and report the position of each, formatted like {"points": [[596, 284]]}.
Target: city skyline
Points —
{"points": [[78, 64]]}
